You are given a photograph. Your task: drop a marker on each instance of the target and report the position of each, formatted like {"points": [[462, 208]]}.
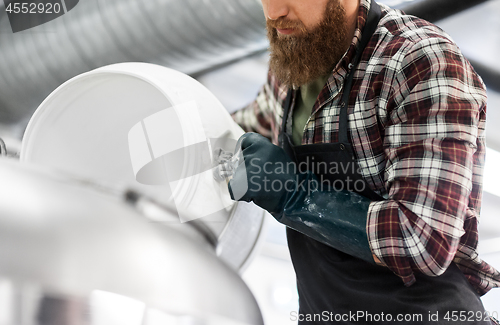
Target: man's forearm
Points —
{"points": [[334, 218]]}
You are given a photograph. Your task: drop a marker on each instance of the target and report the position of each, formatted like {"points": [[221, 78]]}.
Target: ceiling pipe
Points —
{"points": [[186, 35], [490, 76], [434, 10]]}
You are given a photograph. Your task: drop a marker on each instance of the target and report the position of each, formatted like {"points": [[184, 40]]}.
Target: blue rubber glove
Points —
{"points": [[335, 218]]}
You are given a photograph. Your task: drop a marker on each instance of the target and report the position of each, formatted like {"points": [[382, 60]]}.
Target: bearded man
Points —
{"points": [[390, 235]]}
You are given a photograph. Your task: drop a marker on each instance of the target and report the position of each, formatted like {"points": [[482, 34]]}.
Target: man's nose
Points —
{"points": [[277, 9]]}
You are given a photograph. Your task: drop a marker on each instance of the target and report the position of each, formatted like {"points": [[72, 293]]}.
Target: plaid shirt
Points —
{"points": [[417, 124]]}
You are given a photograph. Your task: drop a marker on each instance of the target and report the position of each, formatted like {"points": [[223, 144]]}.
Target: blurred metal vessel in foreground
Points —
{"points": [[74, 255]]}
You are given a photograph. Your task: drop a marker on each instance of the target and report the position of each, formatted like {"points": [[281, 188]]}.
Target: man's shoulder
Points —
{"points": [[276, 90], [401, 31]]}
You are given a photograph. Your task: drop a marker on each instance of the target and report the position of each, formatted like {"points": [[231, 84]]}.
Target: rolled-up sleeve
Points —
{"points": [[433, 141]]}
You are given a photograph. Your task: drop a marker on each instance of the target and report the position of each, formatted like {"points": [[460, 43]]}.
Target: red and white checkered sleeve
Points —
{"points": [[433, 141], [261, 115]]}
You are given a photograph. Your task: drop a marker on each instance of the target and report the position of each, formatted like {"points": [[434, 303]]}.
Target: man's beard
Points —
{"points": [[299, 59]]}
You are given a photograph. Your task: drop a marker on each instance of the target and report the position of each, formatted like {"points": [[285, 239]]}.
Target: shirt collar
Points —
{"points": [[343, 66], [339, 73]]}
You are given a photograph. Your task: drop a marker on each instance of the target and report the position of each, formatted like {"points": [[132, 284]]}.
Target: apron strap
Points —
{"points": [[371, 25], [286, 111]]}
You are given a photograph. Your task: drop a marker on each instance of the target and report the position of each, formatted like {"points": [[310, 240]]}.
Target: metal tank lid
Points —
{"points": [[152, 129]]}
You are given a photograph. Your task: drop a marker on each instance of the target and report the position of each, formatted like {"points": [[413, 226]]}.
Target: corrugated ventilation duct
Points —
{"points": [[187, 35]]}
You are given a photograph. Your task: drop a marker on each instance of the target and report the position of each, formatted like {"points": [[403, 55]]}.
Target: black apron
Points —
{"points": [[338, 288]]}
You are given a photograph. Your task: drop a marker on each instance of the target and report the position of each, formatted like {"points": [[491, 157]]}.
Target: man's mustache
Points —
{"points": [[284, 23]]}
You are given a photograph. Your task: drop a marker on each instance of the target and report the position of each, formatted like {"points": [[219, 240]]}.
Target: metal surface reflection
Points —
{"points": [[74, 255], [28, 304], [3, 149]]}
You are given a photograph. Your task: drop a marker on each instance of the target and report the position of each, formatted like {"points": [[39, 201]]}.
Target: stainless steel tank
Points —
{"points": [[73, 253], [152, 129]]}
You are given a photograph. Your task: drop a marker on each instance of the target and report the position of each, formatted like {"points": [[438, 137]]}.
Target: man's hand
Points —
{"points": [[268, 171], [335, 218]]}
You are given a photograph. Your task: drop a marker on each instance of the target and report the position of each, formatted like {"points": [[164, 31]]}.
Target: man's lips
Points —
{"points": [[285, 31]]}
